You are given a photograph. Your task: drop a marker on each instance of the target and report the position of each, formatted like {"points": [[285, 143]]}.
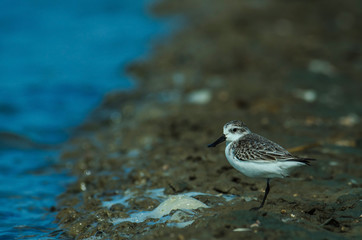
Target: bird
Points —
{"points": [[256, 156]]}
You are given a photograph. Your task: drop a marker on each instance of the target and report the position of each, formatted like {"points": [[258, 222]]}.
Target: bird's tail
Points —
{"points": [[302, 160]]}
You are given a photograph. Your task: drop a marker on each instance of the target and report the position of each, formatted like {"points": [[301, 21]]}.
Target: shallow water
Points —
{"points": [[57, 60]]}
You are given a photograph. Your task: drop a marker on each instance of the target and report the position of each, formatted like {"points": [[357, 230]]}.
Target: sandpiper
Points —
{"points": [[256, 156]]}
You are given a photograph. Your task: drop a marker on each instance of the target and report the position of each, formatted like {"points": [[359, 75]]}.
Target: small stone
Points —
{"points": [[307, 95], [349, 120], [256, 224], [200, 97], [177, 187], [83, 186], [242, 229], [117, 207], [222, 188], [67, 215]]}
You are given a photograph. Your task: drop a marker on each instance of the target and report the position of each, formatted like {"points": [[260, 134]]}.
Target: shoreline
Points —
{"points": [[263, 64]]}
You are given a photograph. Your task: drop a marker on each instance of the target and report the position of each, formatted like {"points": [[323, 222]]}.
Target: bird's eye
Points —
{"points": [[234, 129]]}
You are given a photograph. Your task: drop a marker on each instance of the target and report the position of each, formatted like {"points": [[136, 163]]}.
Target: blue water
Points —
{"points": [[57, 60]]}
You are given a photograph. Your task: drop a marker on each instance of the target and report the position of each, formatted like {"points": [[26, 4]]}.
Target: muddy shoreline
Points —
{"points": [[290, 76]]}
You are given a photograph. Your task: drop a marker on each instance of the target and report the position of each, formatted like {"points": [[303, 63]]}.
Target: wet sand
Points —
{"points": [[290, 70]]}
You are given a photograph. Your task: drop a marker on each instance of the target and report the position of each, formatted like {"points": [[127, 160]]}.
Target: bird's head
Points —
{"points": [[233, 131]]}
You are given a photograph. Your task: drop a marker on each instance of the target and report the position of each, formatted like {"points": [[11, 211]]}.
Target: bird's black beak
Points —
{"points": [[219, 140]]}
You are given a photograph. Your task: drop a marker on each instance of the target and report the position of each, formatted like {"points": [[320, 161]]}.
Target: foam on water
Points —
{"points": [[174, 210], [171, 203]]}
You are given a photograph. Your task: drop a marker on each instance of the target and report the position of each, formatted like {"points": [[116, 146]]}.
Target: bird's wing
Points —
{"points": [[253, 147]]}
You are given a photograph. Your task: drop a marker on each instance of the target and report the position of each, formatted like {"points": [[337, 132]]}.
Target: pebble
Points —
{"points": [[242, 229], [199, 97], [307, 95], [349, 121]]}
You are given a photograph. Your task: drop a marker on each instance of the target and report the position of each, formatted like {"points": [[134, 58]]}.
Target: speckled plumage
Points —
{"points": [[253, 147]]}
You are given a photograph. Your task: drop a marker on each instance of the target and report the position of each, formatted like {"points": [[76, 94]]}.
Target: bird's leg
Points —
{"points": [[267, 189]]}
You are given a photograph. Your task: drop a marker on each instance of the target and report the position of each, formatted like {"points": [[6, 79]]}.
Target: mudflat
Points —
{"points": [[291, 70]]}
